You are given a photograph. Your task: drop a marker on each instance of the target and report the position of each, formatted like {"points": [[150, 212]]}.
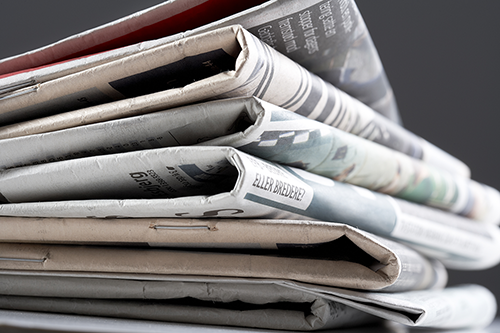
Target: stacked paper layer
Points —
{"points": [[245, 167]]}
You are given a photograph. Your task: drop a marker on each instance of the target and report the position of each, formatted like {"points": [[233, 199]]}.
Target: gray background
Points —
{"points": [[442, 58]]}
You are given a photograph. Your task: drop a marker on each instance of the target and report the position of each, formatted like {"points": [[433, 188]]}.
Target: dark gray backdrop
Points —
{"points": [[442, 58]]}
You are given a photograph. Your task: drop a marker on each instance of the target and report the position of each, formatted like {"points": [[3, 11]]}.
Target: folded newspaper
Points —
{"points": [[274, 134], [203, 182], [459, 305], [328, 38], [342, 257], [262, 303], [228, 62]]}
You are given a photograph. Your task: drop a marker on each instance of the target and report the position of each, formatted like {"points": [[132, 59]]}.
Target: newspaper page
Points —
{"points": [[364, 262], [467, 306], [228, 62], [15, 319], [252, 305], [56, 322], [466, 243], [271, 133], [204, 182], [328, 38]]}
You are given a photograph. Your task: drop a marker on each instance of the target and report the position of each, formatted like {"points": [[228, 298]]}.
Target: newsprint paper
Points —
{"points": [[328, 38], [228, 62], [358, 260], [333, 254], [204, 182], [262, 303], [272, 133]]}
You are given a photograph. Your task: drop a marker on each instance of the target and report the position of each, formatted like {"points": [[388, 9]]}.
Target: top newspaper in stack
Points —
{"points": [[327, 37], [227, 62]]}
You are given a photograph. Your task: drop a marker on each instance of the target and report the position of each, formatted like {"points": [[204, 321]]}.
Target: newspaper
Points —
{"points": [[269, 132], [229, 62], [56, 322], [204, 182], [347, 259], [328, 38], [266, 303]]}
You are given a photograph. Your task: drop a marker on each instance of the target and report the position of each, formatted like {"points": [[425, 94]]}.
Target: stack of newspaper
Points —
{"points": [[232, 164]]}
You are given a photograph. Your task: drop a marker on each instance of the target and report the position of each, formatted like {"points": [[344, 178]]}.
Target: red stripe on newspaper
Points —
{"points": [[207, 12]]}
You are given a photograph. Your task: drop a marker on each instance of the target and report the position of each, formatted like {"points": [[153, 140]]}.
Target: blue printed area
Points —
{"points": [[175, 75], [285, 116], [343, 204]]}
